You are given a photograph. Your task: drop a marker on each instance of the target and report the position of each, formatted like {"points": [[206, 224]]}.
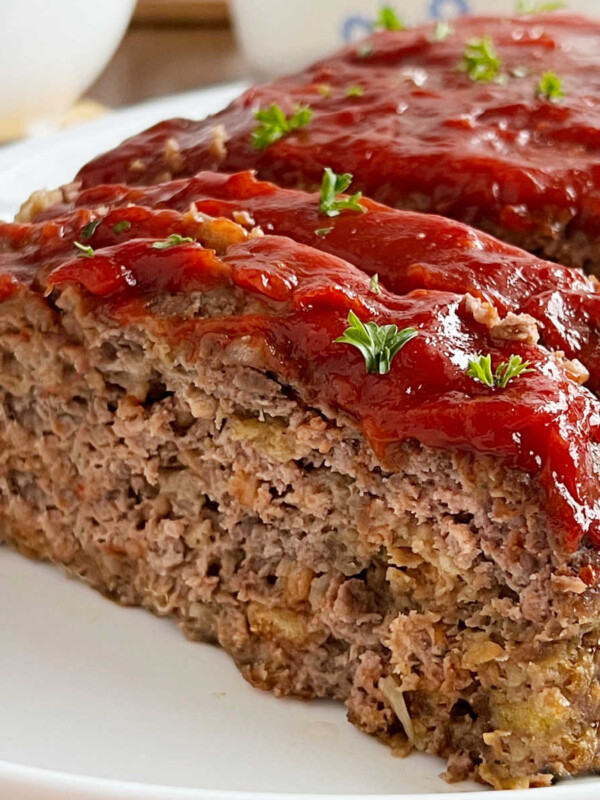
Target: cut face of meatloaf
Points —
{"points": [[181, 429], [464, 125], [521, 296]]}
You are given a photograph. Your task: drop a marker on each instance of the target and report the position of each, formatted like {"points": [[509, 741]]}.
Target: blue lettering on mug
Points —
{"points": [[355, 27], [441, 9]]}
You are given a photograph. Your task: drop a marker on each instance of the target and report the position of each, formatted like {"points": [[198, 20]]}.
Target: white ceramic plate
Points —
{"points": [[103, 703]]}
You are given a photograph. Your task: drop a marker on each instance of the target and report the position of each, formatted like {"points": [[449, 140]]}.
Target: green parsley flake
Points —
{"points": [[374, 287], [324, 89], [531, 7], [378, 344], [550, 87], [332, 186], [323, 231], [124, 225], [480, 60], [171, 241], [274, 124], [90, 229], [442, 31], [480, 369], [388, 20], [85, 251], [355, 91]]}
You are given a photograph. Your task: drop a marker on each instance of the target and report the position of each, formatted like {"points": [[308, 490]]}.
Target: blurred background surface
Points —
{"points": [[171, 46], [66, 61]]}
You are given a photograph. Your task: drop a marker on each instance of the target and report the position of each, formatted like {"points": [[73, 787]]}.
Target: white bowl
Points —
{"points": [[50, 52]]}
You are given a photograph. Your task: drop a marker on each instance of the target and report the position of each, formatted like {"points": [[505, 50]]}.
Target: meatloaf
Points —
{"points": [[492, 121], [407, 250], [385, 496]]}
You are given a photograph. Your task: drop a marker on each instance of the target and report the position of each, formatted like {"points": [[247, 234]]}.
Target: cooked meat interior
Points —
{"points": [[181, 429]]}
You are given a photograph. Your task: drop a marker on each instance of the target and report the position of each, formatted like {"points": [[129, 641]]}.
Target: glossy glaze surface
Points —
{"points": [[422, 133], [406, 249]]}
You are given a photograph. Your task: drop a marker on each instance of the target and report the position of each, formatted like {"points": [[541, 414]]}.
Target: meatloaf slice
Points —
{"points": [[495, 123], [181, 429], [407, 250]]}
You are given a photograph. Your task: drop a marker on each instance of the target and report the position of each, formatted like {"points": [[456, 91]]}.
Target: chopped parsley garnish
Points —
{"points": [[442, 31], [324, 89], [531, 7], [323, 231], [388, 20], [89, 230], [480, 60], [85, 251], [274, 124], [171, 241], [480, 369], [119, 227], [374, 284], [355, 91], [332, 186], [365, 50], [550, 87], [378, 344]]}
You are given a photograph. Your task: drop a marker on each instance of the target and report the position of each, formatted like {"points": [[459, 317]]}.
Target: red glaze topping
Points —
{"points": [[423, 133], [408, 250], [542, 422], [570, 321], [23, 246]]}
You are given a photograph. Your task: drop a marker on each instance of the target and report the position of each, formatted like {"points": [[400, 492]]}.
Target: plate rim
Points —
{"points": [[71, 784]]}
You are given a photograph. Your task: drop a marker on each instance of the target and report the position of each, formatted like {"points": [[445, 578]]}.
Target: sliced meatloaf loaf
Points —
{"points": [[193, 419], [406, 250], [493, 121]]}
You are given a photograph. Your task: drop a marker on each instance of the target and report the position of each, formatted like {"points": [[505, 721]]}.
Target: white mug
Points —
{"points": [[281, 36]]}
